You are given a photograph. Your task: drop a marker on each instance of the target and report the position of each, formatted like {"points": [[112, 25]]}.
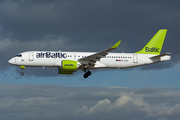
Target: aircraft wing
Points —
{"points": [[90, 60]]}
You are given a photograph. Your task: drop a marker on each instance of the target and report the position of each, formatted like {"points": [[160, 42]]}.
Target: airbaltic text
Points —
{"points": [[69, 65], [50, 55], [153, 49]]}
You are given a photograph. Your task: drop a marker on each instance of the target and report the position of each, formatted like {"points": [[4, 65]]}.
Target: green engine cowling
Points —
{"points": [[68, 67]]}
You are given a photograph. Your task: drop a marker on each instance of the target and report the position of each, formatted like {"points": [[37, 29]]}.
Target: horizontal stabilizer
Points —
{"points": [[158, 56]]}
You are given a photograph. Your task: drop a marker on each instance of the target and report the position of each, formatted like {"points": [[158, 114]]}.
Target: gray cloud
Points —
{"points": [[84, 25], [129, 105], [57, 102]]}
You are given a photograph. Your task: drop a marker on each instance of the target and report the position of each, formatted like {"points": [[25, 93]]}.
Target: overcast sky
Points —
{"points": [[151, 92]]}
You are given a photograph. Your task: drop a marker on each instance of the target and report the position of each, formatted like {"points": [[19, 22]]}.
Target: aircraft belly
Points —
{"points": [[114, 63], [41, 63], [117, 63]]}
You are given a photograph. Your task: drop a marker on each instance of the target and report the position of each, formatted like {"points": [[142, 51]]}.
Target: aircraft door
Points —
{"points": [[135, 58], [31, 56]]}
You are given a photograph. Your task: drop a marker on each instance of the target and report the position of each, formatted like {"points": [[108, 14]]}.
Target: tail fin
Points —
{"points": [[154, 46]]}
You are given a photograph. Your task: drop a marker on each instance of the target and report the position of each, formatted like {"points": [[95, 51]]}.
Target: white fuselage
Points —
{"points": [[112, 60]]}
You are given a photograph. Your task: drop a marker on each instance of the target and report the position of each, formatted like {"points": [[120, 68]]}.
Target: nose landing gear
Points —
{"points": [[86, 74], [22, 73], [22, 67]]}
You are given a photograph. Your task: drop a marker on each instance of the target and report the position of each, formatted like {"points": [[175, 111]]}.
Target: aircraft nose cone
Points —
{"points": [[11, 61]]}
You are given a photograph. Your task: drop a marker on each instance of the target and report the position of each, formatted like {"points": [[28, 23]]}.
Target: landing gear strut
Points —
{"points": [[86, 74], [22, 67]]}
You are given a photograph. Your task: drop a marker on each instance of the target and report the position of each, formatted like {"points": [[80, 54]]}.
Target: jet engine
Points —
{"points": [[68, 67]]}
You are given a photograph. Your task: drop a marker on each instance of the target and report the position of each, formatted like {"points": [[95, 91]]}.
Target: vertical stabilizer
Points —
{"points": [[154, 46]]}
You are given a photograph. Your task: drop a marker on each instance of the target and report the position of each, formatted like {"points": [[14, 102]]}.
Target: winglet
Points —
{"points": [[116, 45]]}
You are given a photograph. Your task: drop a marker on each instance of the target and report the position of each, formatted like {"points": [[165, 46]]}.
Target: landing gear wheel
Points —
{"points": [[88, 73], [22, 73], [85, 75]]}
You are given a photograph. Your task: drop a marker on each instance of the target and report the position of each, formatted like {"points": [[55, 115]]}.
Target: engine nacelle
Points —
{"points": [[68, 67]]}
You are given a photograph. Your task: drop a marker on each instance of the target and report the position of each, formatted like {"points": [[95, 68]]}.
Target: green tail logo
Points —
{"points": [[153, 49], [154, 46]]}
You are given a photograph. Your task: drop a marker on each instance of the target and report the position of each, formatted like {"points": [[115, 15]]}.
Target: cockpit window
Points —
{"points": [[19, 55]]}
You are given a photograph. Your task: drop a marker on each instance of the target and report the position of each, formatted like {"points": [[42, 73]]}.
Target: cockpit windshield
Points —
{"points": [[19, 55]]}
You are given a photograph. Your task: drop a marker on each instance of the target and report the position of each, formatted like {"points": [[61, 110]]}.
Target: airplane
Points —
{"points": [[69, 62]]}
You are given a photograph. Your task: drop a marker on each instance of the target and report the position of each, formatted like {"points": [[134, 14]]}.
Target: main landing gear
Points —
{"points": [[86, 74], [22, 67]]}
